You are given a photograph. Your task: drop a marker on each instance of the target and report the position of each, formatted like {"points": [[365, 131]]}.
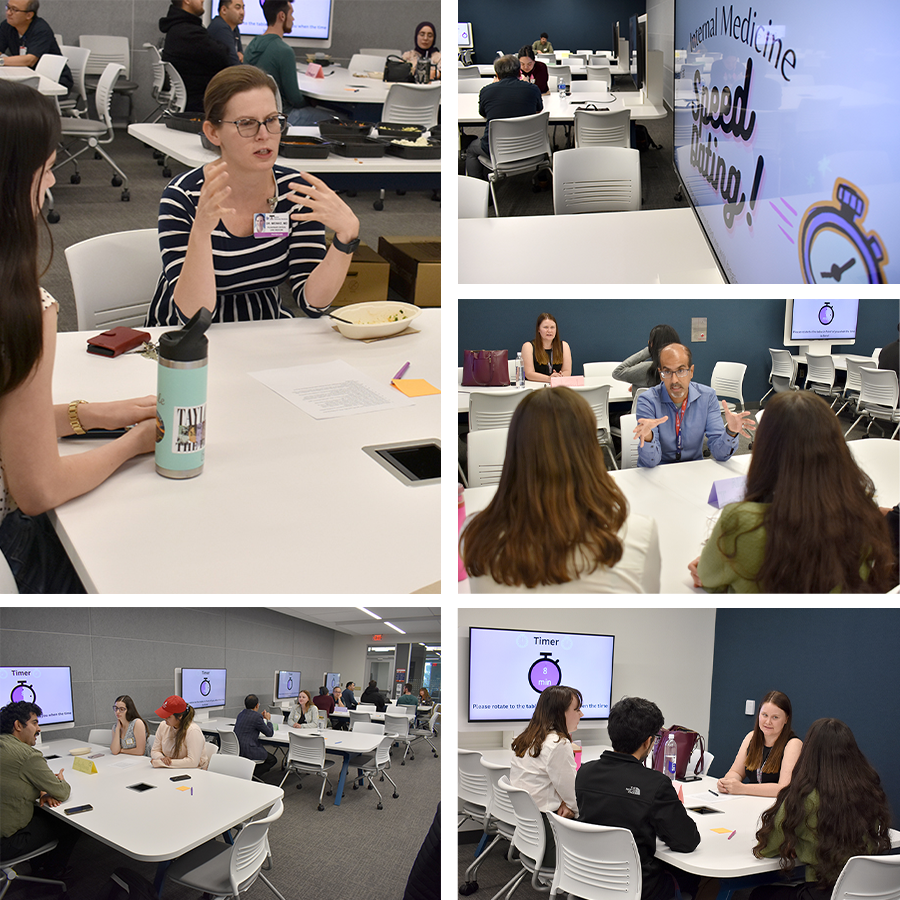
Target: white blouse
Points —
{"points": [[196, 756], [549, 777]]}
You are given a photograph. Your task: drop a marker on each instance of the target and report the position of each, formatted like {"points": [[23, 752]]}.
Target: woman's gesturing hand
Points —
{"points": [[321, 204]]}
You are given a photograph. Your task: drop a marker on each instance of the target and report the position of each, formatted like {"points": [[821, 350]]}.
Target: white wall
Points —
{"points": [[646, 640], [661, 36]]}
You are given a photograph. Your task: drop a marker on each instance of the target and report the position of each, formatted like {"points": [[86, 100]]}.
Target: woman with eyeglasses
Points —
{"points": [[129, 734], [212, 256], [808, 522]]}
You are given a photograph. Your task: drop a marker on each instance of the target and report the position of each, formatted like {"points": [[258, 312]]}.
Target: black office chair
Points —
{"points": [[9, 874]]}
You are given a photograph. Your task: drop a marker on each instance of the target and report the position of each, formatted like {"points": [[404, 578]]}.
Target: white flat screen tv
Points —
{"points": [[774, 139], [50, 687], [509, 668]]}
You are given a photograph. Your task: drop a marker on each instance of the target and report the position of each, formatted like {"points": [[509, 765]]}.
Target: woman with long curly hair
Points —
{"points": [[33, 477], [767, 755], [834, 808], [544, 761], [558, 521], [808, 522], [548, 355]]}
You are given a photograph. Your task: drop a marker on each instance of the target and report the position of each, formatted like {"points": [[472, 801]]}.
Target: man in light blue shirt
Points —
{"points": [[674, 416]]}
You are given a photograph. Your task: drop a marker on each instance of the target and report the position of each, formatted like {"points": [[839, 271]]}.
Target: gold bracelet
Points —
{"points": [[74, 421]]}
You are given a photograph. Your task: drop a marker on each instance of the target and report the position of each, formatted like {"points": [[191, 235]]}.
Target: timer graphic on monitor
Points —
{"points": [[544, 673]]}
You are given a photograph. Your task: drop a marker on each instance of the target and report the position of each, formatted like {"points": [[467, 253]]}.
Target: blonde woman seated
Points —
{"points": [[766, 758], [179, 742], [558, 522], [304, 713], [129, 734]]}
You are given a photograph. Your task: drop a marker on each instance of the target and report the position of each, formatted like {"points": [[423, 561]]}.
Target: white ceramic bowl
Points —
{"points": [[369, 319]]}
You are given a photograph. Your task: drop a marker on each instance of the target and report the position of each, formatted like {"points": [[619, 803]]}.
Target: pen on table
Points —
{"points": [[733, 833], [402, 371], [192, 792], [713, 793]]}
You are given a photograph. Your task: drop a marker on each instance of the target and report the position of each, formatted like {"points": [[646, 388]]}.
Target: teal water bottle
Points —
{"points": [[181, 398]]}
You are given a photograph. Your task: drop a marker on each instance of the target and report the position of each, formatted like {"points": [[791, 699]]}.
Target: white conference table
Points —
{"points": [[123, 818], [618, 390], [341, 86], [47, 86], [563, 110], [666, 246], [286, 503], [187, 149], [346, 744], [678, 493]]}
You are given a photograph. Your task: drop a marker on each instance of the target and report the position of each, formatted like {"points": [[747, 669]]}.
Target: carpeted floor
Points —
{"points": [[93, 207], [349, 852], [659, 183]]}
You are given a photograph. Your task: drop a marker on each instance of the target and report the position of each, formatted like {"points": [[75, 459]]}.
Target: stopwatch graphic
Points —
{"points": [[23, 693], [834, 248], [290, 684], [826, 314], [205, 687], [544, 673]]}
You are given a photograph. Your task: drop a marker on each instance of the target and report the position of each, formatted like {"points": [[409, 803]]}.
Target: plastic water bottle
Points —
{"points": [[561, 87], [520, 371], [670, 757]]}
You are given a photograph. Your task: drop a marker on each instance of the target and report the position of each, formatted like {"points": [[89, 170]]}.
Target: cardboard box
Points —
{"points": [[415, 267], [366, 280]]}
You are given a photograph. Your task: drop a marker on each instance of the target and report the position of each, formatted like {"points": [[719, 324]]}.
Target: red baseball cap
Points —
{"points": [[173, 706]]}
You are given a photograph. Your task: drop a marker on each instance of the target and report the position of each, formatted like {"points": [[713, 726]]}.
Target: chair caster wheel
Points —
{"points": [[468, 887], [378, 205], [53, 217], [97, 155], [379, 806], [75, 179], [299, 786], [401, 193], [157, 155], [355, 787], [395, 795], [403, 763], [116, 181], [160, 159], [167, 172], [125, 196], [328, 793], [369, 787], [321, 808]]}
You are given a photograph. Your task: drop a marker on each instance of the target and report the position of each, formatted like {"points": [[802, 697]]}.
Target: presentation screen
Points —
{"points": [[50, 687], [287, 685], [332, 680], [773, 140], [833, 321], [509, 668], [311, 28], [203, 688], [464, 36]]}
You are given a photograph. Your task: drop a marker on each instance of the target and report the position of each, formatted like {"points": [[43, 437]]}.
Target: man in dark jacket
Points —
{"points": [[189, 48], [617, 790], [347, 696]]}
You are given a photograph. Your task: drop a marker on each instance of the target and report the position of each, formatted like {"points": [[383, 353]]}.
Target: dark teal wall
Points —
{"points": [[841, 663], [571, 24], [738, 330]]}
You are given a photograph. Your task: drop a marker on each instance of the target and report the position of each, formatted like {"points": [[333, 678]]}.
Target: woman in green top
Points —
{"points": [[808, 522], [834, 808]]}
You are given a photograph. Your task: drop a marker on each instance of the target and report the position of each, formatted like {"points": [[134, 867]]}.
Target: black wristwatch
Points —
{"points": [[349, 247]]}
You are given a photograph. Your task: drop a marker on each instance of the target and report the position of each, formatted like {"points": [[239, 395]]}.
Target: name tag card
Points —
{"points": [[314, 70], [728, 490], [271, 225], [80, 764]]}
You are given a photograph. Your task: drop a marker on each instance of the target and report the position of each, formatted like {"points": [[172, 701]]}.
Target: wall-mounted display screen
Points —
{"points": [[508, 669], [773, 138], [833, 321], [203, 688], [311, 28], [287, 685], [50, 687]]}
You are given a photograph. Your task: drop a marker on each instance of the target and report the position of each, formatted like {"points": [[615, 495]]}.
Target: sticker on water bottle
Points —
{"points": [[189, 433]]}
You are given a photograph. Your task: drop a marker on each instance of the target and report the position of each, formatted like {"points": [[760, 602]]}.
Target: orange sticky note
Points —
{"points": [[414, 387], [182, 788], [680, 793], [720, 830]]}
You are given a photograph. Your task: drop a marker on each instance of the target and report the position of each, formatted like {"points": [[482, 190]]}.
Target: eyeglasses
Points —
{"points": [[665, 374], [13, 9], [249, 128], [120, 708]]}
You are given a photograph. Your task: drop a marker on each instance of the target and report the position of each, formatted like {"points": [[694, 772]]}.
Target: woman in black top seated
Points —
{"points": [[547, 355], [764, 764], [533, 70]]}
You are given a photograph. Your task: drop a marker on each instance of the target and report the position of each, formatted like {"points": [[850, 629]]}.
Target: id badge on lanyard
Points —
{"points": [[679, 440]]}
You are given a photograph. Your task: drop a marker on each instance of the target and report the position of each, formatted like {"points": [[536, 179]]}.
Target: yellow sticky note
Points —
{"points": [[720, 830], [183, 788], [414, 387], [80, 764]]}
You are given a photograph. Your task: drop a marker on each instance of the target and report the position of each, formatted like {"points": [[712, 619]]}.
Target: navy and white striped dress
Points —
{"points": [[248, 269]]}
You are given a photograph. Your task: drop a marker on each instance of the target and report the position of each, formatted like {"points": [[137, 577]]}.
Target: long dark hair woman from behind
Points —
{"points": [[808, 522], [558, 521], [34, 478], [642, 368], [834, 808]]}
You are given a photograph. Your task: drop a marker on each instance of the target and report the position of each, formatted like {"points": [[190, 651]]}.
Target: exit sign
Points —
{"points": [[376, 637]]}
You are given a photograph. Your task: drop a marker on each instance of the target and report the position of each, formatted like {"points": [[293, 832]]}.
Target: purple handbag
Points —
{"points": [[485, 368], [685, 740]]}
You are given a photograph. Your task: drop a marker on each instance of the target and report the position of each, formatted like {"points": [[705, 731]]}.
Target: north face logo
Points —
{"points": [[633, 790]]}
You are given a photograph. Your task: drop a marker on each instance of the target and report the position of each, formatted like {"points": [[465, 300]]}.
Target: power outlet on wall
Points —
{"points": [[750, 708]]}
